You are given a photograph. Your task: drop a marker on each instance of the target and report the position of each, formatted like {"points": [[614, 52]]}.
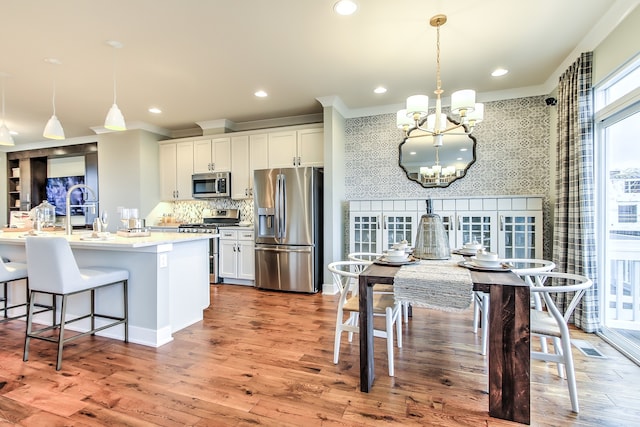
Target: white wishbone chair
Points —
{"points": [[345, 277]]}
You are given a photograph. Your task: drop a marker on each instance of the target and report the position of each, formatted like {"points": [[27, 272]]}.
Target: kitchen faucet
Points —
{"points": [[91, 206]]}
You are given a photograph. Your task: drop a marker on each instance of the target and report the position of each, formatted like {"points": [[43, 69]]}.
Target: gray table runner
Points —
{"points": [[436, 284]]}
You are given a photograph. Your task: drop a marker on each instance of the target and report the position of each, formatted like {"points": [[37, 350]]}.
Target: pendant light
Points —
{"points": [[115, 119], [463, 103], [53, 129], [5, 137]]}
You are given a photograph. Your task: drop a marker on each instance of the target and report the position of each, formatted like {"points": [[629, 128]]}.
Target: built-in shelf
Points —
{"points": [[27, 174]]}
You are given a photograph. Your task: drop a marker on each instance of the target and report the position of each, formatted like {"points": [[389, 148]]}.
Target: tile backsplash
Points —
{"points": [[190, 211]]}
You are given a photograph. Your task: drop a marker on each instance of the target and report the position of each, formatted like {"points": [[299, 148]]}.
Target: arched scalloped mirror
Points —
{"points": [[432, 166]]}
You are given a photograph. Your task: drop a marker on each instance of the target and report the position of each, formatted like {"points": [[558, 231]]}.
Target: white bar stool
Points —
{"points": [[53, 271], [11, 272]]}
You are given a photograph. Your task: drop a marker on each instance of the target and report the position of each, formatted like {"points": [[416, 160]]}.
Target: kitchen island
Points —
{"points": [[168, 282]]}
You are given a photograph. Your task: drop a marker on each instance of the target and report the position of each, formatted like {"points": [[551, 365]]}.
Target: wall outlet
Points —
{"points": [[163, 260]]}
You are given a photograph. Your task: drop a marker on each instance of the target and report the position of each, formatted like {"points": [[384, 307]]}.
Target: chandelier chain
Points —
{"points": [[438, 90]]}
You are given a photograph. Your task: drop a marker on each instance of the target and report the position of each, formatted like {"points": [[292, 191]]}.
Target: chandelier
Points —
{"points": [[437, 174], [463, 103]]}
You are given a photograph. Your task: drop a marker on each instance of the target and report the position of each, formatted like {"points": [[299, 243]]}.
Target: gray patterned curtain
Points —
{"points": [[574, 249]]}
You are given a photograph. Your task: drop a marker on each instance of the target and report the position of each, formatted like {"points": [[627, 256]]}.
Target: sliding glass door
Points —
{"points": [[618, 140]]}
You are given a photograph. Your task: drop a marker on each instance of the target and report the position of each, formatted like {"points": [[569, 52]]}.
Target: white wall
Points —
{"points": [[621, 45], [128, 172], [65, 166], [334, 188]]}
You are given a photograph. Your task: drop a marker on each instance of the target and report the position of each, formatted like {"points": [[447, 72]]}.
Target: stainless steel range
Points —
{"points": [[210, 225]]}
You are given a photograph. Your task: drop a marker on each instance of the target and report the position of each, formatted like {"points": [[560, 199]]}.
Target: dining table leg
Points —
{"points": [[509, 353], [366, 333]]}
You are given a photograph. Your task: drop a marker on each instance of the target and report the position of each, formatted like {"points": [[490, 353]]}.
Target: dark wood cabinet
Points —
{"points": [[27, 174]]}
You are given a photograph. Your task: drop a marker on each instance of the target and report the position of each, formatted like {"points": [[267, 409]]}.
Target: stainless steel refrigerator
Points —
{"points": [[288, 228]]}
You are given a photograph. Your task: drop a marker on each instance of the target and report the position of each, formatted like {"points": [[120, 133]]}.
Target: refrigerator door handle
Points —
{"points": [[282, 217], [278, 249], [277, 207]]}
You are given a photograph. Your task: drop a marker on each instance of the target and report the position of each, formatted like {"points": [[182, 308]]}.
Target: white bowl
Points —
{"points": [[487, 256], [473, 246], [485, 263], [396, 258], [396, 252]]}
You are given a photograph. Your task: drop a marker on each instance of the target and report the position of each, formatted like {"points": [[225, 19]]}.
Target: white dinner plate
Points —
{"points": [[485, 263], [472, 266]]}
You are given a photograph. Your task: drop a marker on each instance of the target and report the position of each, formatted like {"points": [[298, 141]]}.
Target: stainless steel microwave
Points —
{"points": [[210, 185]]}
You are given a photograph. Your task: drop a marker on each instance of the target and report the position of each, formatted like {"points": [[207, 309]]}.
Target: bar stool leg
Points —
{"points": [[93, 311], [63, 312], [27, 337], [125, 290], [5, 299]]}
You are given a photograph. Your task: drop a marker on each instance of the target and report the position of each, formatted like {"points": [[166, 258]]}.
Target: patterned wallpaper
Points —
{"points": [[512, 157]]}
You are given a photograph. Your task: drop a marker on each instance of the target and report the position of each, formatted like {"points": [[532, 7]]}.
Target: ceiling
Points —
{"points": [[202, 60]]}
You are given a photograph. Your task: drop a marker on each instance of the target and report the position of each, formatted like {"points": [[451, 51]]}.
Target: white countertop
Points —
{"points": [[113, 241]]}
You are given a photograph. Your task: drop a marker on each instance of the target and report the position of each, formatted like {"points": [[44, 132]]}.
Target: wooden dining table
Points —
{"points": [[509, 341]]}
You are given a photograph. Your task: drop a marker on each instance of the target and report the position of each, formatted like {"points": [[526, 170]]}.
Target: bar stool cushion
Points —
{"points": [[53, 268], [13, 271]]}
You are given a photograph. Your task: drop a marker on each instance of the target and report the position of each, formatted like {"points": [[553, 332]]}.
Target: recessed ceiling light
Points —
{"points": [[499, 72], [13, 132], [463, 149], [261, 94], [380, 89], [459, 158], [345, 7], [155, 110], [413, 153]]}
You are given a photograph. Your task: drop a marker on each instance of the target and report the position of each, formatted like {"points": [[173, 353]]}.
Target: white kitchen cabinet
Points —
{"points": [[237, 257], [240, 186], [212, 155], [376, 225], [248, 153], [510, 226], [311, 147], [520, 234], [258, 155], [176, 168], [293, 148]]}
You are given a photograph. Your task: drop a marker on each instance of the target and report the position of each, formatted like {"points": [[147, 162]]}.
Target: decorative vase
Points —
{"points": [[432, 241]]}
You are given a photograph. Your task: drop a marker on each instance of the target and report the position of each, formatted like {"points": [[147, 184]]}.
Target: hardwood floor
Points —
{"points": [[265, 358]]}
